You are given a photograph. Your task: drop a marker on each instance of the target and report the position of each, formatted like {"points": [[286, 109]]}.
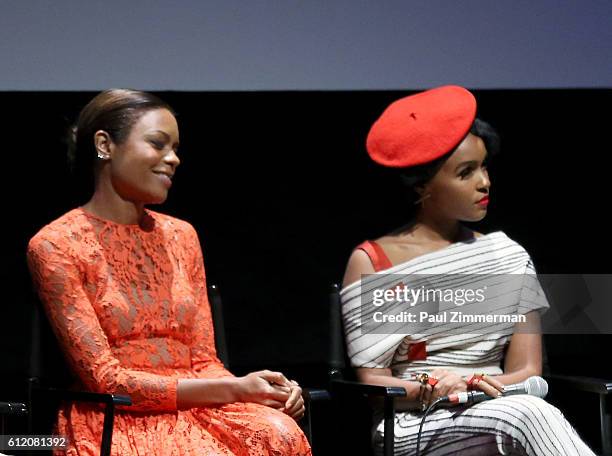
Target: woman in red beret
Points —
{"points": [[434, 139], [125, 292]]}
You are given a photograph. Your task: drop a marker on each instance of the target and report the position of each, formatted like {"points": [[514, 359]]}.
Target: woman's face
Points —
{"points": [[458, 188], [142, 166]]}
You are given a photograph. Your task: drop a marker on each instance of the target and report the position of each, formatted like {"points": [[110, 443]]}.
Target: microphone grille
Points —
{"points": [[536, 386]]}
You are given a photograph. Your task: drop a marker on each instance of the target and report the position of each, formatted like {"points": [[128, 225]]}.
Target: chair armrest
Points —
{"points": [[592, 385], [83, 396], [111, 400], [350, 387], [315, 394], [387, 393], [13, 408], [587, 384]]}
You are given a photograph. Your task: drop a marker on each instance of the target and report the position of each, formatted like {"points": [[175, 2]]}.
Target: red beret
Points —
{"points": [[420, 128]]}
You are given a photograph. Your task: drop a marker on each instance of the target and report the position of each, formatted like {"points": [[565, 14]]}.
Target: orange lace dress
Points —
{"points": [[129, 307]]}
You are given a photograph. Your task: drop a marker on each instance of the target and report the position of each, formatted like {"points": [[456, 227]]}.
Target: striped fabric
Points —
{"points": [[512, 425]]}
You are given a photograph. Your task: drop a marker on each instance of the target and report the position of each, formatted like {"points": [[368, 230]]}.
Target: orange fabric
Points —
{"points": [[129, 307]]}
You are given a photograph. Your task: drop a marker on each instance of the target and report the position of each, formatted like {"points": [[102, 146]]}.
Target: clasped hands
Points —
{"points": [[274, 390], [450, 383]]}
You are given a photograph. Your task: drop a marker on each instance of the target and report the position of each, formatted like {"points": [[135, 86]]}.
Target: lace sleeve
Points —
{"points": [[60, 286], [204, 359]]}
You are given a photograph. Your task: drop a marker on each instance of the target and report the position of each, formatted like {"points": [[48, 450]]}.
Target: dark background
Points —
{"points": [[280, 189]]}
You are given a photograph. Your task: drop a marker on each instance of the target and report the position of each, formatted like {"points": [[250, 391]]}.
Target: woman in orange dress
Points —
{"points": [[125, 291]]}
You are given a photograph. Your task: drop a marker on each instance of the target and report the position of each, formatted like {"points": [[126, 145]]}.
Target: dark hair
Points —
{"points": [[115, 111], [416, 176]]}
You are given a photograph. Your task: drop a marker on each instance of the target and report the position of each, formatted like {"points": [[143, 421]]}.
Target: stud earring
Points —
{"points": [[101, 156]]}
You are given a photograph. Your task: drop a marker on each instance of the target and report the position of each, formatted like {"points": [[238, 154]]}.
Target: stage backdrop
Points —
{"points": [[304, 45]]}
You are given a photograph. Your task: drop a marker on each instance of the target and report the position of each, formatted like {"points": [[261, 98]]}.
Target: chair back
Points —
{"points": [[337, 358], [47, 363], [351, 436], [216, 308], [47, 367]]}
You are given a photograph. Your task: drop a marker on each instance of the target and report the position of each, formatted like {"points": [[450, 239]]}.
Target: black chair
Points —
{"points": [[216, 308], [588, 385], [49, 383], [343, 384], [342, 381], [310, 395], [11, 409]]}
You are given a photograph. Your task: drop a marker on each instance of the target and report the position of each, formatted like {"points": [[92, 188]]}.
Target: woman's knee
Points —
{"points": [[280, 423], [531, 417], [535, 406], [282, 431]]}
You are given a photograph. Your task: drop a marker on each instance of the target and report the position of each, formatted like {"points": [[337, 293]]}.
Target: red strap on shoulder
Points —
{"points": [[377, 255]]}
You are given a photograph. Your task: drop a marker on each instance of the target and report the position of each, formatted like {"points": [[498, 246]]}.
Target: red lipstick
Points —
{"points": [[484, 202]]}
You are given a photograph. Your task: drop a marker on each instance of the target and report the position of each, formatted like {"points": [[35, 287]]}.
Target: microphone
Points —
{"points": [[534, 386]]}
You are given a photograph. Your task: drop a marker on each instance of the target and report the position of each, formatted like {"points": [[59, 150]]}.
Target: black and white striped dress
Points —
{"points": [[519, 424]]}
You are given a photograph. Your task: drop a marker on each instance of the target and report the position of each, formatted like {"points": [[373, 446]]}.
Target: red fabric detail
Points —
{"points": [[377, 255], [417, 351], [422, 127]]}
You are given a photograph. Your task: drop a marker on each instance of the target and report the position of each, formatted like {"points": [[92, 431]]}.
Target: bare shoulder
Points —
{"points": [[401, 248], [359, 263], [405, 246]]}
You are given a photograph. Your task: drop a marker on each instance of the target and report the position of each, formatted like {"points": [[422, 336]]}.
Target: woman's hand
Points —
{"points": [[294, 407], [448, 383], [264, 387], [451, 383], [274, 390], [487, 384]]}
